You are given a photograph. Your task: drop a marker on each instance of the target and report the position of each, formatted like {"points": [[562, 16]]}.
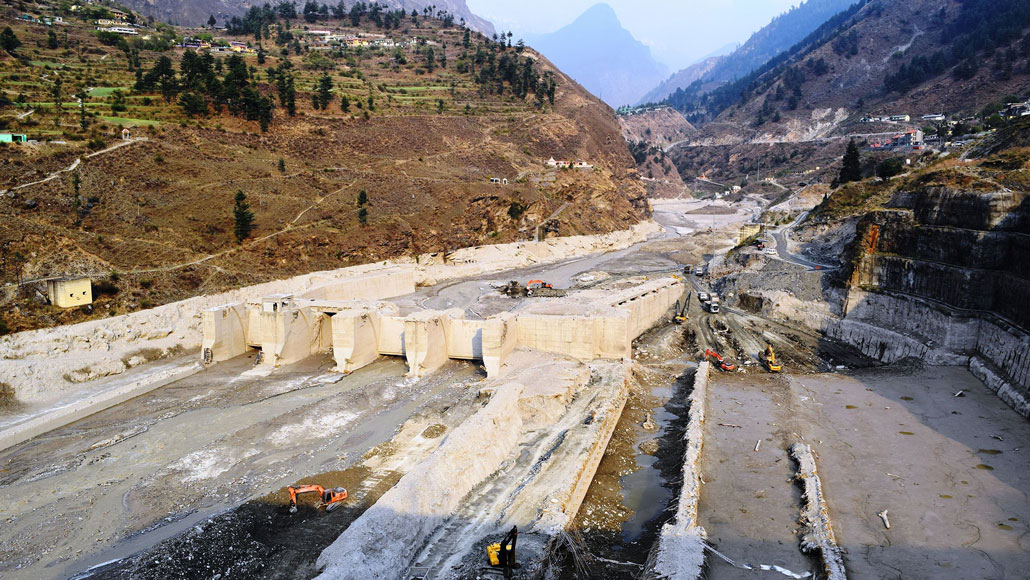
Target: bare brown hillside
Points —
{"points": [[153, 219], [660, 126]]}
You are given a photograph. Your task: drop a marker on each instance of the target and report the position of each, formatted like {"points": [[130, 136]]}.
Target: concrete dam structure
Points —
{"points": [[942, 276], [350, 319]]}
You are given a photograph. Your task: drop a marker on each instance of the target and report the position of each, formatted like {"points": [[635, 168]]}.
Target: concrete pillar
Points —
{"points": [[355, 341], [225, 333], [290, 333], [499, 338], [425, 344]]}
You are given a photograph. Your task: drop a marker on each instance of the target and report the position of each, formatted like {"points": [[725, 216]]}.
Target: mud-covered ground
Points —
{"points": [[128, 477], [259, 539]]}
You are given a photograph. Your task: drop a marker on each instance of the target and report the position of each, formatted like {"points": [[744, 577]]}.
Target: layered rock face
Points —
{"points": [[943, 275]]}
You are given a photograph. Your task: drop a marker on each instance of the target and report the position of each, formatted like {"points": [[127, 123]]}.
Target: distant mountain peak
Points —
{"points": [[596, 51], [600, 12]]}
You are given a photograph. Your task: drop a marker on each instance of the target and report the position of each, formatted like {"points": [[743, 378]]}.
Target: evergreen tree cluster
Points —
{"points": [[851, 169], [496, 67], [258, 20], [243, 218], [982, 27], [200, 89]]}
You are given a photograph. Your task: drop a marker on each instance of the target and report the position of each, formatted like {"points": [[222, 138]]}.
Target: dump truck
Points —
{"points": [[713, 304]]}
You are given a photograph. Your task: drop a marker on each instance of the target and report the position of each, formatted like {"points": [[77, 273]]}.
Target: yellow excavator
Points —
{"points": [[501, 555], [769, 360], [680, 315]]}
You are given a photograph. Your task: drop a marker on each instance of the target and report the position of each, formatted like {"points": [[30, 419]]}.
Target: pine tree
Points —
{"points": [[362, 198], [56, 95], [324, 91], [852, 167], [243, 217], [282, 165], [9, 41]]}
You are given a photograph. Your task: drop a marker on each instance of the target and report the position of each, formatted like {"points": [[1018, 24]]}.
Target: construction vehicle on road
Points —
{"points": [[709, 302], [330, 498], [723, 363], [769, 360]]}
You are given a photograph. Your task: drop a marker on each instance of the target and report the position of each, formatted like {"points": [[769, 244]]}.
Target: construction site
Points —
{"points": [[664, 402]]}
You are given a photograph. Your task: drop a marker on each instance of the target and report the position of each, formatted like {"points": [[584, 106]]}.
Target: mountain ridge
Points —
{"points": [[601, 55], [779, 35], [345, 156]]}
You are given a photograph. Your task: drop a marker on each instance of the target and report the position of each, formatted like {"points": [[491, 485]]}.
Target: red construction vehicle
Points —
{"points": [[537, 284], [724, 364], [330, 498]]}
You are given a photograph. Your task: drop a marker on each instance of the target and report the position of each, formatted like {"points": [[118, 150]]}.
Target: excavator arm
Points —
{"points": [[330, 498]]}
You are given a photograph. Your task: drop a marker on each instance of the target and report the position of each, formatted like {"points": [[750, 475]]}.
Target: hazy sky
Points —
{"points": [[679, 32]]}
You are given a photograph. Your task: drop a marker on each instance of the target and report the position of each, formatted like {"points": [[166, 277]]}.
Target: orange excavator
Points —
{"points": [[330, 498], [724, 364]]}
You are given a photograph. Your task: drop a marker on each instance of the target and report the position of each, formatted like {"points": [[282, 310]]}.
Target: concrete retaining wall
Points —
{"points": [[355, 339], [582, 337], [292, 334], [382, 542], [499, 340], [364, 286], [225, 332], [586, 327], [680, 549], [391, 335], [425, 342], [890, 327], [649, 304], [465, 339], [73, 410]]}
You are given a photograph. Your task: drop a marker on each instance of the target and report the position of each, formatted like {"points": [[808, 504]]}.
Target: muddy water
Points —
{"points": [[633, 493], [645, 491]]}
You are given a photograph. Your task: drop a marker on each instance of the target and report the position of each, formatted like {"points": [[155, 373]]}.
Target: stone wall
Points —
{"points": [[943, 277]]}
